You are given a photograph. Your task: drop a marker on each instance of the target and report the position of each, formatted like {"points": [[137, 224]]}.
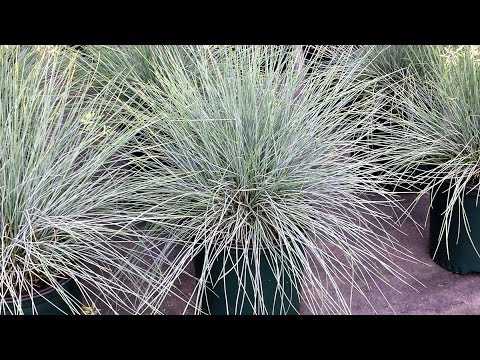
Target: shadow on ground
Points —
{"points": [[444, 292]]}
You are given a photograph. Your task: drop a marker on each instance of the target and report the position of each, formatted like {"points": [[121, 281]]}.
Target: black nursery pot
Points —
{"points": [[463, 257], [49, 302], [228, 296]]}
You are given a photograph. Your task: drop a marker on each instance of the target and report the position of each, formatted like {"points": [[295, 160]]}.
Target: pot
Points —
{"points": [[229, 294], [463, 258], [48, 301]]}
